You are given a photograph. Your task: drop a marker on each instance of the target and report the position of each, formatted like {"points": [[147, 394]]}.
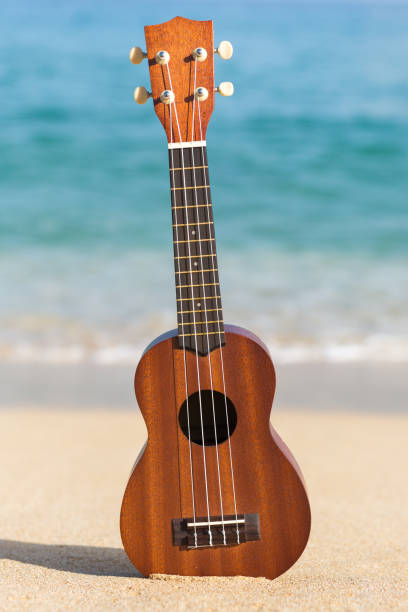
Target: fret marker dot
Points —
{"points": [[198, 305], [193, 232], [195, 263]]}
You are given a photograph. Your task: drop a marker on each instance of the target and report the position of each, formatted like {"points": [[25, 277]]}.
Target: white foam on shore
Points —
{"points": [[373, 349], [311, 308], [377, 348]]}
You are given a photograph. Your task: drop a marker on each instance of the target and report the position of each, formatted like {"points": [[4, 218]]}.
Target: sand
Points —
{"points": [[63, 473]]}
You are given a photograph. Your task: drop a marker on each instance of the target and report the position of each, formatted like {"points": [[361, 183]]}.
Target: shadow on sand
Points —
{"points": [[93, 560]]}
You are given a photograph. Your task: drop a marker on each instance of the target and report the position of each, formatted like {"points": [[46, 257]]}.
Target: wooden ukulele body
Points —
{"points": [[267, 479]]}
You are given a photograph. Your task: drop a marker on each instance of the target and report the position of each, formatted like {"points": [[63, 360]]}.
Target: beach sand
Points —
{"points": [[63, 474]]}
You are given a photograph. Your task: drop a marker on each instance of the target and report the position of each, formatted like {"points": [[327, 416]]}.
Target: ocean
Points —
{"points": [[308, 166]]}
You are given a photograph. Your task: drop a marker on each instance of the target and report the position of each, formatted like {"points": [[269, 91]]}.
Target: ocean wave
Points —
{"points": [[377, 348]]}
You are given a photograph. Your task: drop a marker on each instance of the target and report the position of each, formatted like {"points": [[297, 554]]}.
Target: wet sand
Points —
{"points": [[62, 477], [357, 387]]}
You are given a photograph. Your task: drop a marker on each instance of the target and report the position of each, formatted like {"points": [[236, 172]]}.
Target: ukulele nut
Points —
{"points": [[162, 58]]}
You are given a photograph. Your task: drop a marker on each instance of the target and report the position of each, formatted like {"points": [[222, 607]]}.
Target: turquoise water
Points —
{"points": [[308, 164]]}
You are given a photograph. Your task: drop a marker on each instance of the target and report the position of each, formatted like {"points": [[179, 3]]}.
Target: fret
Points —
{"points": [[189, 195], [193, 223], [209, 281], [193, 216], [185, 296], [193, 206], [199, 285], [201, 322], [197, 256], [195, 240], [188, 168], [188, 172], [214, 313], [190, 187], [202, 333], [196, 271], [189, 235], [199, 297], [195, 252], [205, 310]]}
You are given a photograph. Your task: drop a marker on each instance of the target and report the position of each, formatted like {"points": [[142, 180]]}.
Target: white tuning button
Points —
{"points": [[162, 58], [225, 50], [200, 54], [225, 89], [141, 95], [167, 96], [201, 94], [137, 55]]}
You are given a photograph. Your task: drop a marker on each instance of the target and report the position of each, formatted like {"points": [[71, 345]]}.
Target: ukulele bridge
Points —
{"points": [[229, 530]]}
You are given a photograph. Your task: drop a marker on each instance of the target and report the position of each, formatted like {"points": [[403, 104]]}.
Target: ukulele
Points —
{"points": [[215, 491]]}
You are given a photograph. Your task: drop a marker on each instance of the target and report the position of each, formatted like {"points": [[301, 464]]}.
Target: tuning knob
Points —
{"points": [[225, 89], [162, 58], [200, 54], [137, 55], [167, 96], [225, 50], [201, 94], [141, 95]]}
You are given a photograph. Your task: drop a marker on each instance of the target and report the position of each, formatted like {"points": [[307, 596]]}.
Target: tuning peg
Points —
{"points": [[201, 94], [162, 58], [141, 95], [200, 54], [225, 89], [167, 96], [225, 50], [137, 55]]}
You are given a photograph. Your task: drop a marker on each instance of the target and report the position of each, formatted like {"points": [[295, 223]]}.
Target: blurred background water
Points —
{"points": [[308, 164]]}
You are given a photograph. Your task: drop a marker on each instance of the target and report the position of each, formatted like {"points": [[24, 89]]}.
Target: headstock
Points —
{"points": [[180, 53]]}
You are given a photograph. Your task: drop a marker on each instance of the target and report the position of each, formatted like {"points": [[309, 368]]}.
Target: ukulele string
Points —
{"points": [[219, 337], [205, 304], [184, 348], [193, 309]]}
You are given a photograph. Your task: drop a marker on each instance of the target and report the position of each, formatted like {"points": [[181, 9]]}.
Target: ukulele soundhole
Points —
{"points": [[208, 404]]}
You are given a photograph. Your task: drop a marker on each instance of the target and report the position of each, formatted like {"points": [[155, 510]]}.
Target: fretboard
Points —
{"points": [[199, 309]]}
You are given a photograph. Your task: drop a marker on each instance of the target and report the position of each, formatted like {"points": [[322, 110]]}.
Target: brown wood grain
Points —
{"points": [[267, 478], [180, 37]]}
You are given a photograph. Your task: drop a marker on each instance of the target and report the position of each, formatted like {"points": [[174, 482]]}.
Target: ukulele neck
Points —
{"points": [[199, 309]]}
